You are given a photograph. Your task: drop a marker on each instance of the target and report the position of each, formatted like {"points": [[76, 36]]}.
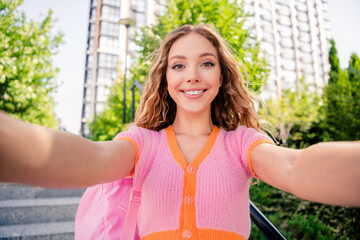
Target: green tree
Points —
{"points": [[337, 120], [227, 16], [108, 123], [292, 115], [341, 109], [27, 77]]}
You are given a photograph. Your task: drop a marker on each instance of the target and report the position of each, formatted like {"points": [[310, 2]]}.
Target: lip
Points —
{"points": [[195, 96]]}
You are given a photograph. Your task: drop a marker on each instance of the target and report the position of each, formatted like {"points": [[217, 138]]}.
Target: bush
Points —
{"points": [[300, 219]]}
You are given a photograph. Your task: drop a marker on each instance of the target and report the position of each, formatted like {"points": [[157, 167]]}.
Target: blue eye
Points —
{"points": [[177, 66], [208, 64]]}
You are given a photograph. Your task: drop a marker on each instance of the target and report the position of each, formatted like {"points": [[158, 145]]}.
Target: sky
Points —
{"points": [[72, 17]]}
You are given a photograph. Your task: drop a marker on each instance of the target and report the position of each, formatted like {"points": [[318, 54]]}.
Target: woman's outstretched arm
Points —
{"points": [[326, 172], [40, 156]]}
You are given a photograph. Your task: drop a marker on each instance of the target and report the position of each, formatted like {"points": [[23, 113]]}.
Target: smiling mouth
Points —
{"points": [[194, 92]]}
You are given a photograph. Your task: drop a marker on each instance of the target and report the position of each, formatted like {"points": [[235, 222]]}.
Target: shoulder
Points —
{"points": [[242, 141], [245, 134], [138, 135]]}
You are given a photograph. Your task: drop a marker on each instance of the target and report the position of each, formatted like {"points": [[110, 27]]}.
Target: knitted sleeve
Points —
{"points": [[134, 136], [246, 139]]}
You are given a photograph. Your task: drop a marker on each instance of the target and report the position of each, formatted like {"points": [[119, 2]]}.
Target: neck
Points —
{"points": [[192, 124]]}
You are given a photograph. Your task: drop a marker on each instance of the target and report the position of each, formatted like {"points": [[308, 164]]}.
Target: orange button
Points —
{"points": [[191, 169], [188, 200], [187, 234]]}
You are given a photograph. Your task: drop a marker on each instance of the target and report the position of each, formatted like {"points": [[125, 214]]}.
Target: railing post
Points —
{"points": [[264, 224], [132, 104], [134, 85]]}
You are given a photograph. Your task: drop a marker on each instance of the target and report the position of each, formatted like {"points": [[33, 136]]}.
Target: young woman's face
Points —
{"points": [[193, 74]]}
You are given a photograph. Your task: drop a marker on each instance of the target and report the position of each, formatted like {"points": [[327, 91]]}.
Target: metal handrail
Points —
{"points": [[264, 224], [134, 85]]}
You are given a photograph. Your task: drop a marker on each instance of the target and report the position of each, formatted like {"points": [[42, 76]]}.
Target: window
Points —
{"points": [[287, 42], [284, 20], [108, 60], [92, 30], [116, 3], [305, 46], [89, 60], [99, 108], [305, 27], [264, 4], [106, 76], [88, 94], [268, 47], [88, 76], [110, 13], [109, 44], [140, 19], [304, 37], [308, 68], [266, 15], [109, 29], [302, 17], [283, 10], [160, 7], [288, 65], [284, 31], [86, 129], [138, 6], [93, 13], [102, 93], [86, 111], [90, 44], [301, 7], [268, 37], [288, 53]]}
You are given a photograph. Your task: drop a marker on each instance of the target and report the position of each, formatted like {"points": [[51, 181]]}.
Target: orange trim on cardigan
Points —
{"points": [[203, 233], [190, 171], [248, 156], [136, 148]]}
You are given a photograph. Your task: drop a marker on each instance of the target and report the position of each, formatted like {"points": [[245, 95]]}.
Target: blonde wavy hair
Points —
{"points": [[232, 106]]}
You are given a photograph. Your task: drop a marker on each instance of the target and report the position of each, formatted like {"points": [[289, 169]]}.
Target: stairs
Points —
{"points": [[35, 213]]}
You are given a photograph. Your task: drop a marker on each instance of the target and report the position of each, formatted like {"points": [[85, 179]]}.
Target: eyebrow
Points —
{"points": [[201, 55]]}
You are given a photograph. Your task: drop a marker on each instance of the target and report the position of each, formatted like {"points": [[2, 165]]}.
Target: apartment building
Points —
{"points": [[293, 33]]}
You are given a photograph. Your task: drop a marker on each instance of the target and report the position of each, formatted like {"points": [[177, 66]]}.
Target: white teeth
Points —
{"points": [[194, 92]]}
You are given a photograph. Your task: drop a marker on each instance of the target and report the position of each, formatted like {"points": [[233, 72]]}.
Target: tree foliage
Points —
{"points": [[306, 123], [299, 219], [108, 123], [341, 109], [27, 77], [292, 113]]}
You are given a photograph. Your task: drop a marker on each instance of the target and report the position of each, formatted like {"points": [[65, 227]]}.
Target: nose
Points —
{"points": [[192, 75]]}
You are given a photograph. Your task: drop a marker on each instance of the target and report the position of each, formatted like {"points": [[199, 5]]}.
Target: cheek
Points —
{"points": [[172, 81]]}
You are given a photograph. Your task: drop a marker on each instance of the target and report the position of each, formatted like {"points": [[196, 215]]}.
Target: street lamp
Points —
{"points": [[128, 22]]}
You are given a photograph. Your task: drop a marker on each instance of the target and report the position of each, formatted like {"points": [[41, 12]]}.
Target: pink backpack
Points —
{"points": [[109, 211]]}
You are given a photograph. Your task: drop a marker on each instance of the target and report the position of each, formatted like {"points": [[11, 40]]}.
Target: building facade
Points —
{"points": [[293, 33], [107, 45]]}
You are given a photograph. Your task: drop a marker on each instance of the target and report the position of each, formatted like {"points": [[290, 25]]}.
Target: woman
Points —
{"points": [[211, 146]]}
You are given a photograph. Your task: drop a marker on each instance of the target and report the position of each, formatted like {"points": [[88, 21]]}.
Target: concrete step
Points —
{"points": [[17, 191], [40, 231], [42, 210]]}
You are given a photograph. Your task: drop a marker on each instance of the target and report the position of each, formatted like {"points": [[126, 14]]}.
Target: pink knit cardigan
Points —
{"points": [[206, 199]]}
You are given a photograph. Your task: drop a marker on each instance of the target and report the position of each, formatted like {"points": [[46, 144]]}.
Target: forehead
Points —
{"points": [[192, 44]]}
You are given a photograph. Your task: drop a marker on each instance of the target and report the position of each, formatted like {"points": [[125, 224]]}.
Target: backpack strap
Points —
{"points": [[147, 157]]}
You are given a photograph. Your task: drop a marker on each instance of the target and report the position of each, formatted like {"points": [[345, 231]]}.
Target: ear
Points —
{"points": [[221, 80]]}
